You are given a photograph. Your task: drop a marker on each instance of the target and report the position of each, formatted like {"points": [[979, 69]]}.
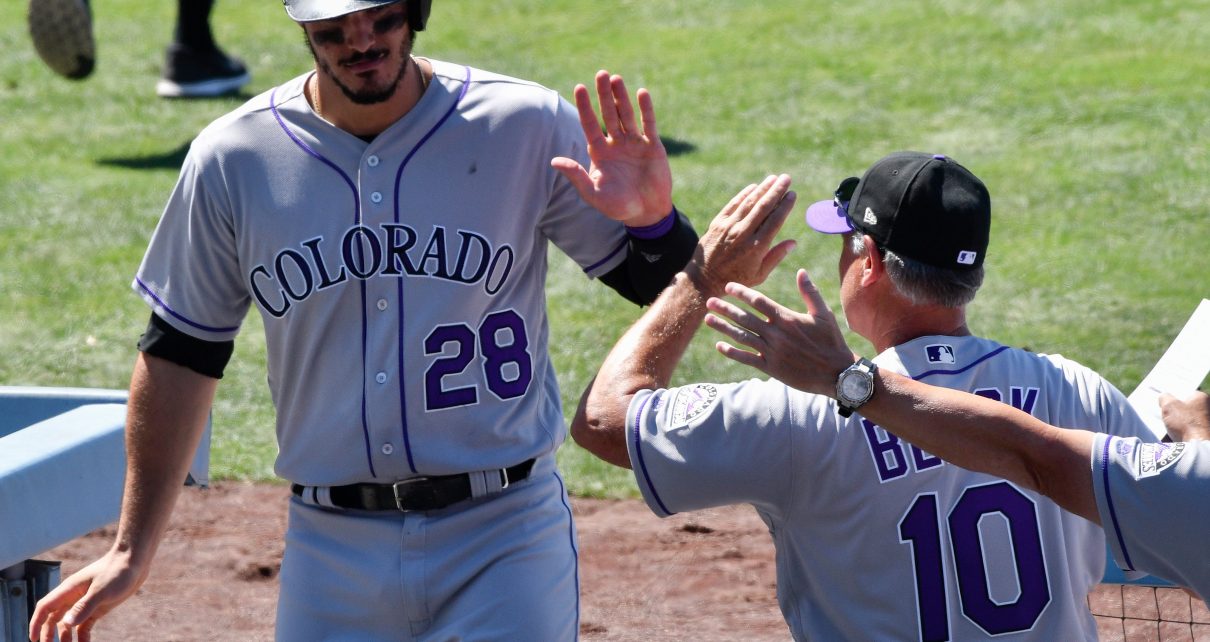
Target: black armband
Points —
{"points": [[654, 255], [203, 357]]}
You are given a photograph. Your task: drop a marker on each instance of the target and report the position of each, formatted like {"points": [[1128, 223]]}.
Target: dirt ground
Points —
{"points": [[703, 576], [706, 576]]}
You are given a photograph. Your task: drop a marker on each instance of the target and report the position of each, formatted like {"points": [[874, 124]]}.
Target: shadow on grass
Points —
{"points": [[676, 147], [172, 159], [164, 160]]}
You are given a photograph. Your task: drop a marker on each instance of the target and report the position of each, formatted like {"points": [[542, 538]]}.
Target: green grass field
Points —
{"points": [[1087, 120]]}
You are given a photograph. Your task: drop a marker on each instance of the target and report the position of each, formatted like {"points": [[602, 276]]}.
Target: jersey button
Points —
{"points": [[381, 377], [387, 449], [382, 304], [372, 161], [376, 197]]}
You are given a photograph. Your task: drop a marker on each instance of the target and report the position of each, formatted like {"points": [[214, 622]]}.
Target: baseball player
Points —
{"points": [[876, 538], [388, 217], [1145, 494]]}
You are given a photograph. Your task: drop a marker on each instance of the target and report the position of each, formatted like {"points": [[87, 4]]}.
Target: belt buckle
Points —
{"points": [[405, 489]]}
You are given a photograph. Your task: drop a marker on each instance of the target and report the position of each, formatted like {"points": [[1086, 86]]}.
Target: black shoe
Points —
{"points": [[198, 74], [62, 35]]}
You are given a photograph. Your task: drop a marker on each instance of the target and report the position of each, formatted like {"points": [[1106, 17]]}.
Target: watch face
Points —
{"points": [[855, 386]]}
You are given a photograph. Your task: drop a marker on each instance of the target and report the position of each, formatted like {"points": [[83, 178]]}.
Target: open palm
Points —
{"points": [[629, 179]]}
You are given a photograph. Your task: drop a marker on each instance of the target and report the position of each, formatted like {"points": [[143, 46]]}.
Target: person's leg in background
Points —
{"points": [[194, 66]]}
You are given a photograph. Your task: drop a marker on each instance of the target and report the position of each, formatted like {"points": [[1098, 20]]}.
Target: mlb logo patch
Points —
{"points": [[966, 257], [940, 353]]}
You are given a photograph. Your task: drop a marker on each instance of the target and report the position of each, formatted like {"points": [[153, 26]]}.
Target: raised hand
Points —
{"points": [[738, 245], [629, 179], [804, 351]]}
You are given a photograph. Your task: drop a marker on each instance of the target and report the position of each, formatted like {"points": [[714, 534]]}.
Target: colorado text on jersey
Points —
{"points": [[298, 273]]}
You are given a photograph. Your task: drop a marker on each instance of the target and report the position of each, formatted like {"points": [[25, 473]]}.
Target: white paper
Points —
{"points": [[1179, 372]]}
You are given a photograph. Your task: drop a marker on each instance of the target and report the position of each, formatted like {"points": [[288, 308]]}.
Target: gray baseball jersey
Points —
{"points": [[875, 538], [1152, 498], [401, 282]]}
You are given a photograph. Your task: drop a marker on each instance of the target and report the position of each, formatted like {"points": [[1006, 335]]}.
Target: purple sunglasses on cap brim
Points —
{"points": [[832, 216]]}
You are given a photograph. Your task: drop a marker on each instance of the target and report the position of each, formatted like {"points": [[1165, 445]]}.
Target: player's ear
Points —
{"points": [[872, 268]]}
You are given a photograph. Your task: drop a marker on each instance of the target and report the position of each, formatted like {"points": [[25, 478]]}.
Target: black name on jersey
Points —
{"points": [[364, 252], [895, 458]]}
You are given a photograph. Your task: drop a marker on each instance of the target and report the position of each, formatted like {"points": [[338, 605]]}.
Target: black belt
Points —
{"points": [[416, 493]]}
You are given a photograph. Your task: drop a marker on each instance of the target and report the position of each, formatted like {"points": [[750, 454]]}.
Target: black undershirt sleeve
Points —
{"points": [[652, 262], [203, 357]]}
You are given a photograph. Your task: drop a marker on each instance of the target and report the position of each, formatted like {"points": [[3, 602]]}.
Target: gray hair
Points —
{"points": [[924, 284]]}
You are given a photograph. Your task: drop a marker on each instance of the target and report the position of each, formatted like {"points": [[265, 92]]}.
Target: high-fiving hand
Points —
{"points": [[629, 179], [738, 246], [804, 351]]}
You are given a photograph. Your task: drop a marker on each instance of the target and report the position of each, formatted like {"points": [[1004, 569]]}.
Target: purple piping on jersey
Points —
{"points": [[961, 370], [571, 536], [176, 315], [1113, 513], [365, 424], [621, 246], [403, 402], [638, 452], [307, 148], [365, 348]]}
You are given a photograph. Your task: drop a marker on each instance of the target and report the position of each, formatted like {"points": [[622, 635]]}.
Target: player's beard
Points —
{"points": [[379, 94]]}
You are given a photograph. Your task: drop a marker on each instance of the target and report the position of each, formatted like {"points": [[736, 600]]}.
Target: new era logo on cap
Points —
{"points": [[966, 257], [870, 218]]}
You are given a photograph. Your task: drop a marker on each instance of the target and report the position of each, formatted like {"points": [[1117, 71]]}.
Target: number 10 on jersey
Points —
{"points": [[927, 532]]}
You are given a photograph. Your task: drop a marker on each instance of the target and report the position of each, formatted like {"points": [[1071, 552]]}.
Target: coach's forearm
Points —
{"points": [[643, 359], [165, 417], [738, 246], [988, 436]]}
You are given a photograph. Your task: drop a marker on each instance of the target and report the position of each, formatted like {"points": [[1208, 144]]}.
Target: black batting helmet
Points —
{"points": [[311, 10]]}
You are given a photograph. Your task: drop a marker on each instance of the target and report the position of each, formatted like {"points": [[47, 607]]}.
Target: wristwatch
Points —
{"points": [[855, 386]]}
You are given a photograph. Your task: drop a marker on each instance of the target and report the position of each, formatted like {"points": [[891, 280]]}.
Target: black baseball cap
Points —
{"points": [[925, 207], [311, 10]]}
